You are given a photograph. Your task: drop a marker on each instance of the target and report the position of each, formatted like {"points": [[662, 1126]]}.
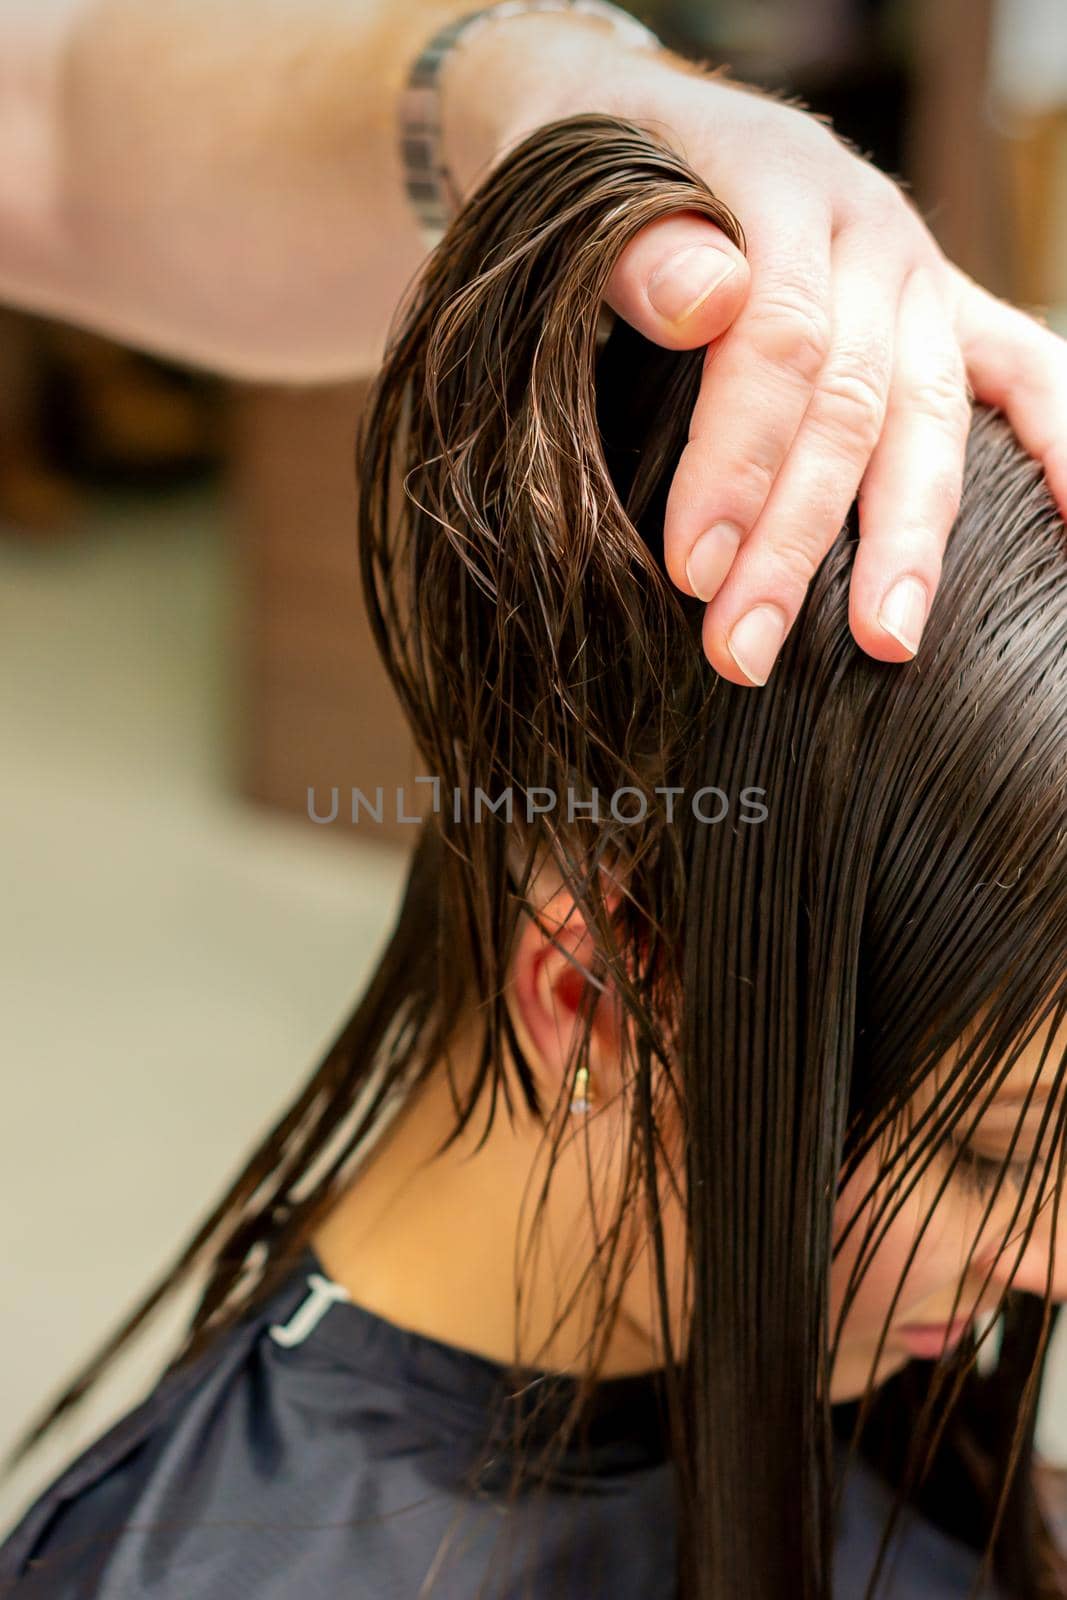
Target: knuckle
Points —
{"points": [[944, 489], [850, 403], [792, 329], [794, 558], [882, 199], [754, 478], [739, 488], [942, 396], [818, 144]]}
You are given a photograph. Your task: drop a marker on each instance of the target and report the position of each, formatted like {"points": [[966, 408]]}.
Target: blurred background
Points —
{"points": [[185, 655]]}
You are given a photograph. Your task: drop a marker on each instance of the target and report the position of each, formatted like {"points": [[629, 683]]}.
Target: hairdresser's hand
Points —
{"points": [[846, 370], [838, 359]]}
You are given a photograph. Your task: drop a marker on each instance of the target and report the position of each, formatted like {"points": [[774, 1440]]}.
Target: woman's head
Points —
{"points": [[977, 1214], [905, 882], [819, 989]]}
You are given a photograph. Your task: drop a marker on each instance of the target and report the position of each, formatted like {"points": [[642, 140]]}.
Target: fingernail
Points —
{"points": [[685, 280], [711, 558], [903, 612], [755, 641]]}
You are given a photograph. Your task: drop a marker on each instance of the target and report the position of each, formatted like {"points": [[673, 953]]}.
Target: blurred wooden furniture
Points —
{"points": [[320, 710], [1036, 152], [956, 162]]}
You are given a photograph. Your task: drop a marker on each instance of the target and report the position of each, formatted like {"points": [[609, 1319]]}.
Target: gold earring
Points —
{"points": [[582, 1096]]}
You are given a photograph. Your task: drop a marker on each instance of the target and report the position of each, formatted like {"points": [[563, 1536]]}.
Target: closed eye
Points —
{"points": [[981, 1173]]}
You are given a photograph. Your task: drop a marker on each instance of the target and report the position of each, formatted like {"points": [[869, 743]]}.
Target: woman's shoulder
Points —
{"points": [[319, 1449], [921, 1560], [99, 1475]]}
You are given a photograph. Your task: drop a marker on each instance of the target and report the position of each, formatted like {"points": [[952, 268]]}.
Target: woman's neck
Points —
{"points": [[432, 1244]]}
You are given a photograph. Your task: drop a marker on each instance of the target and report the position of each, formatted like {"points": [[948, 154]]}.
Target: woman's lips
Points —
{"points": [[928, 1340]]}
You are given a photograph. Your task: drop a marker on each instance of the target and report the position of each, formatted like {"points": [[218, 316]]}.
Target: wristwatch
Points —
{"points": [[429, 184]]}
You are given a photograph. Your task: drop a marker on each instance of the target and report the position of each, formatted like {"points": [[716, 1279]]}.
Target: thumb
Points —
{"points": [[680, 282]]}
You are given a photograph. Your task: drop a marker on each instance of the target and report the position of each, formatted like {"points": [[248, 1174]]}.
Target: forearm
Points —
{"points": [[216, 181]]}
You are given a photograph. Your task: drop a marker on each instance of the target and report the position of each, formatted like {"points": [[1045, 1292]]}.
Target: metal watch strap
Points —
{"points": [[429, 184]]}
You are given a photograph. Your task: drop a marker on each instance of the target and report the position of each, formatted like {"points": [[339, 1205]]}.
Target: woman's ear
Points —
{"points": [[554, 979]]}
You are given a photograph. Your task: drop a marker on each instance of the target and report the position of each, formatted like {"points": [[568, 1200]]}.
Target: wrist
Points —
{"points": [[523, 71]]}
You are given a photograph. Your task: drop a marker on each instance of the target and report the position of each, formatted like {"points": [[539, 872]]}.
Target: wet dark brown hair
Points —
{"points": [[789, 983]]}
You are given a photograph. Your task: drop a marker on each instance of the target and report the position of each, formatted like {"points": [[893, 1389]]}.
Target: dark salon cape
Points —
{"points": [[320, 1452]]}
